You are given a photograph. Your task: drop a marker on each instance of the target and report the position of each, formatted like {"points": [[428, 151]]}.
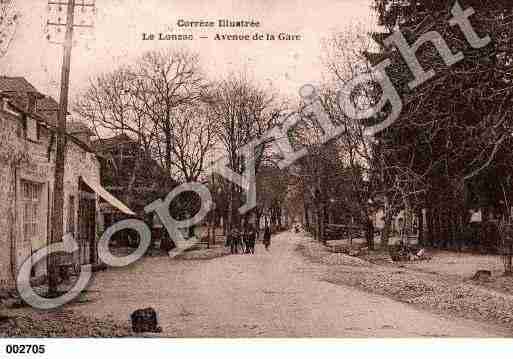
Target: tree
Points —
{"points": [[366, 180], [164, 83], [9, 17], [455, 127], [243, 112], [158, 103], [109, 106], [317, 171], [272, 189], [193, 134]]}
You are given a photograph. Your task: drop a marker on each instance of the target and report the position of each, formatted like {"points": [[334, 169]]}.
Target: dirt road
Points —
{"points": [[270, 294]]}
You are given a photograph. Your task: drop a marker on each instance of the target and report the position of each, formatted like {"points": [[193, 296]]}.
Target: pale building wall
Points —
{"points": [[6, 220], [11, 152], [22, 160], [78, 163]]}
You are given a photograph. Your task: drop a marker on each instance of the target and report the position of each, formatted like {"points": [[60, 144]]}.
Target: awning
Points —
{"points": [[103, 193]]}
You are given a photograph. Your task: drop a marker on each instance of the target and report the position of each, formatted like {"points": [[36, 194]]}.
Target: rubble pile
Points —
{"points": [[205, 253], [432, 292], [343, 259], [60, 323], [466, 298]]}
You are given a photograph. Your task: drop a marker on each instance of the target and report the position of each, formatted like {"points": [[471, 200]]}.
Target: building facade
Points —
{"points": [[27, 169]]}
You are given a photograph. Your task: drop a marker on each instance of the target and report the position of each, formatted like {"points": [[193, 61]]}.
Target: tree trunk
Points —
{"points": [[385, 235], [430, 229], [307, 219], [420, 215], [169, 144], [439, 228], [212, 229], [229, 217], [444, 220], [369, 233], [237, 218], [317, 223], [452, 228], [129, 197]]}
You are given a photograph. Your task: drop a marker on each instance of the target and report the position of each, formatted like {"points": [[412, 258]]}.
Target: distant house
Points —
{"points": [[128, 172], [27, 168]]}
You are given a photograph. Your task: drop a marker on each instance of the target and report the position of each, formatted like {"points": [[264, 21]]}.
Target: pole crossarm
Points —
{"points": [[64, 24], [62, 3]]}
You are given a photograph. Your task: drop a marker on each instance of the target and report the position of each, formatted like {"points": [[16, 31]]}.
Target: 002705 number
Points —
{"points": [[25, 349]]}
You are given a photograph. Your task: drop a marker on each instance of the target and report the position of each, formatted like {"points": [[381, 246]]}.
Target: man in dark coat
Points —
{"points": [[234, 241], [267, 237], [250, 239]]}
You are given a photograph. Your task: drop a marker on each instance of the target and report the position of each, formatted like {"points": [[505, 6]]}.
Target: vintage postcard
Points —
{"points": [[255, 169]]}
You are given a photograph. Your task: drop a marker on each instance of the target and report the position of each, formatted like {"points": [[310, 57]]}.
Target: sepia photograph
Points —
{"points": [[254, 169]]}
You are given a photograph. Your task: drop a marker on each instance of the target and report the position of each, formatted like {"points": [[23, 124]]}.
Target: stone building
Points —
{"points": [[27, 169], [130, 173]]}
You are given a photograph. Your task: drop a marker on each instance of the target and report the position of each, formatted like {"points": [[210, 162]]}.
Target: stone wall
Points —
{"points": [[11, 153], [78, 163], [6, 224], [22, 160]]}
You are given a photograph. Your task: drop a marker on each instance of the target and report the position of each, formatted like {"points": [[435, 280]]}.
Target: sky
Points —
{"points": [[116, 38]]}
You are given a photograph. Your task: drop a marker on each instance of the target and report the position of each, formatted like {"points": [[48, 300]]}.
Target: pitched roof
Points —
{"points": [[47, 103], [109, 143], [18, 89], [76, 127], [48, 108], [16, 84]]}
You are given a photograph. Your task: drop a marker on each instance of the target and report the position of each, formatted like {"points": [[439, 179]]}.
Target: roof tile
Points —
{"points": [[16, 84]]}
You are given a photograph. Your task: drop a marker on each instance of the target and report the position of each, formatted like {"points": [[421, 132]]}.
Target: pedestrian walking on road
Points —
{"points": [[245, 239], [240, 242], [234, 241], [267, 238], [250, 239]]}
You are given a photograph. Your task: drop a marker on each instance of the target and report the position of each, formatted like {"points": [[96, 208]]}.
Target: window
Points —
{"points": [[31, 201], [32, 129], [22, 127], [39, 129], [31, 216]]}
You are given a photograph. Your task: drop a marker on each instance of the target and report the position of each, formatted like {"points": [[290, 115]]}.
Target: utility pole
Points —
{"points": [[58, 189]]}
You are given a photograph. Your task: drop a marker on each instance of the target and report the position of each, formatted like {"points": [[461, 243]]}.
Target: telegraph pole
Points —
{"points": [[58, 189]]}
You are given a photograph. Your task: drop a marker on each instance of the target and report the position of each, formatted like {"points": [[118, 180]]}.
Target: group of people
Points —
{"points": [[245, 242]]}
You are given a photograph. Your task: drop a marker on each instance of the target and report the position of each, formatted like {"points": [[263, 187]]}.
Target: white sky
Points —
{"points": [[119, 25]]}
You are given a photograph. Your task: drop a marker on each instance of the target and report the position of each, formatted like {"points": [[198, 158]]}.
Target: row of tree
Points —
{"points": [[447, 152], [455, 131], [184, 121], [450, 148]]}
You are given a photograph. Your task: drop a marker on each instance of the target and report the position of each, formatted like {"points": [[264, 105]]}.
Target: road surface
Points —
{"points": [[270, 294]]}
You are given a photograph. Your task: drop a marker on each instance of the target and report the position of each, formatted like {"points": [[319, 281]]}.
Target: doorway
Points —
{"points": [[87, 226]]}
